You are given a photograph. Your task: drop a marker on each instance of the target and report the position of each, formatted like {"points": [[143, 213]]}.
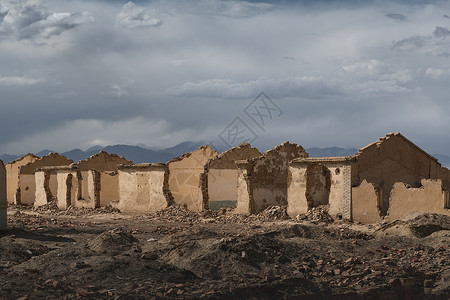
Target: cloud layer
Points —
{"points": [[76, 73]]}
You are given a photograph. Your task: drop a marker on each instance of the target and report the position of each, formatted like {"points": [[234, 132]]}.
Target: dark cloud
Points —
{"points": [[441, 32], [36, 21], [3, 12], [397, 17], [446, 16], [68, 82], [411, 43]]}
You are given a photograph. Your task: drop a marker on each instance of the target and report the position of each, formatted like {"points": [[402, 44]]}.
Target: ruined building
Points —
{"points": [[262, 181], [220, 177], [184, 177], [144, 188], [26, 188], [12, 173], [388, 178], [385, 179], [81, 184]]}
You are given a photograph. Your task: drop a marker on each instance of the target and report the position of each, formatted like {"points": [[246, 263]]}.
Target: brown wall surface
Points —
{"points": [[109, 188], [184, 177], [365, 199], [3, 201], [267, 177], [40, 195], [27, 185], [12, 175], [394, 159], [102, 161], [67, 193], [429, 198], [142, 188], [222, 179]]}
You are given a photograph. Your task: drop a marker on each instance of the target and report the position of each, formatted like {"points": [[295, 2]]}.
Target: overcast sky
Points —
{"points": [[75, 74]]}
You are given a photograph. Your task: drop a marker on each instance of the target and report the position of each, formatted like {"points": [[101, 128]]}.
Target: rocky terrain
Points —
{"points": [[177, 254]]}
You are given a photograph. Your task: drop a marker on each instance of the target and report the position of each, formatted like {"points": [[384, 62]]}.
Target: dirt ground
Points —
{"points": [[177, 254]]}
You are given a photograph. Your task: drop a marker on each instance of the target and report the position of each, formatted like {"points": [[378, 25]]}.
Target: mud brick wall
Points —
{"points": [[430, 198], [143, 188], [320, 181], [265, 178], [220, 178], [27, 185], [12, 175], [98, 179], [185, 174], [394, 159], [365, 203], [3, 201]]}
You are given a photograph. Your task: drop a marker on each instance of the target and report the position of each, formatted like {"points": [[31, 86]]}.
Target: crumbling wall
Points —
{"points": [[94, 186], [318, 184], [296, 193], [222, 176], [27, 185], [12, 175], [365, 203], [394, 159], [42, 193], [3, 201], [320, 181], [430, 198], [184, 177], [109, 188], [67, 192], [267, 177], [143, 188]]}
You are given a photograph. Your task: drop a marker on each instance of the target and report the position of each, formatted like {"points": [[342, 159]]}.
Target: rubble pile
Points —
{"points": [[316, 214]]}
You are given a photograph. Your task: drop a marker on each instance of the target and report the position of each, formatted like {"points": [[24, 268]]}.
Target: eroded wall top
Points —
{"points": [[30, 157], [193, 160], [51, 159], [103, 161], [227, 159]]}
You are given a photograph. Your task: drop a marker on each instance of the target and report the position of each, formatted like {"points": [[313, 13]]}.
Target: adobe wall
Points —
{"points": [[143, 188], [12, 175], [67, 193], [267, 178], [3, 200], [320, 181], [394, 159], [365, 199], [103, 161], [430, 198], [109, 188], [27, 186], [222, 176], [41, 195], [184, 177]]}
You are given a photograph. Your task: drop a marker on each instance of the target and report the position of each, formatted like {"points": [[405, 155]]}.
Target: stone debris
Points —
{"points": [[316, 214]]}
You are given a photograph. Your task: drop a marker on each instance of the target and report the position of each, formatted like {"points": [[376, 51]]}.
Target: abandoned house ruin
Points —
{"points": [[3, 202], [220, 177], [12, 174], [26, 189], [81, 184], [385, 179], [144, 188], [184, 177], [262, 181], [388, 178]]}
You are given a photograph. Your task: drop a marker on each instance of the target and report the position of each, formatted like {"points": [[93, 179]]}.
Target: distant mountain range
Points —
{"points": [[139, 154]]}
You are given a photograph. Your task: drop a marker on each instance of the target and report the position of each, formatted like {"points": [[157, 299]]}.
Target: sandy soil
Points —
{"points": [[105, 254]]}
